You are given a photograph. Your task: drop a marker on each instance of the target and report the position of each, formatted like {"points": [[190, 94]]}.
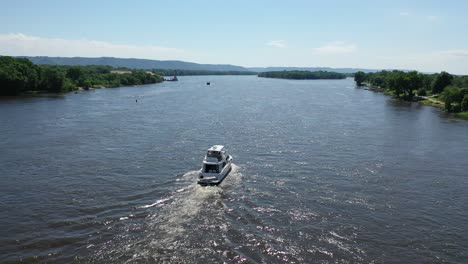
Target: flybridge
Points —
{"points": [[214, 154], [216, 148]]}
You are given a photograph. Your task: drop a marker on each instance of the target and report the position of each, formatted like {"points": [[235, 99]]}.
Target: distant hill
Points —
{"points": [[176, 65], [134, 63], [303, 75], [313, 69]]}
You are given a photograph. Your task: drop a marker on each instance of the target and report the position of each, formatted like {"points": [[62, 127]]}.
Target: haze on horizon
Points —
{"points": [[427, 36]]}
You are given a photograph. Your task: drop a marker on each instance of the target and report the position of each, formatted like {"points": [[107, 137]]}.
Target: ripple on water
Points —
{"points": [[178, 226], [360, 183]]}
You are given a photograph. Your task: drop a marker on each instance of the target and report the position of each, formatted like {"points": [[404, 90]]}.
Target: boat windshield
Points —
{"points": [[213, 154]]}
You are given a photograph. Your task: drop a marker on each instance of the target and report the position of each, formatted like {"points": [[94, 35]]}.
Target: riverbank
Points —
{"points": [[425, 100], [20, 76], [462, 115], [45, 94], [431, 101]]}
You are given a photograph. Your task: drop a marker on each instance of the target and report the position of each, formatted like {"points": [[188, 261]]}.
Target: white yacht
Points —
{"points": [[216, 166]]}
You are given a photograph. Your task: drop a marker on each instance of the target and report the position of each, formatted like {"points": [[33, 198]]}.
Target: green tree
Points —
{"points": [[451, 95], [422, 92], [378, 81], [426, 81], [359, 77], [464, 103], [460, 81], [442, 80], [75, 73], [52, 80], [397, 83], [413, 82], [17, 76], [11, 81], [86, 83]]}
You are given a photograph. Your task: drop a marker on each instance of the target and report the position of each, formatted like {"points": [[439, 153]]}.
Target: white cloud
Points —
{"points": [[454, 53], [337, 47], [277, 43], [419, 16], [20, 44], [451, 60]]}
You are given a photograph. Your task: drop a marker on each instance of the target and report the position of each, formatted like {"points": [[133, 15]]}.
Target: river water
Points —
{"points": [[324, 172]]}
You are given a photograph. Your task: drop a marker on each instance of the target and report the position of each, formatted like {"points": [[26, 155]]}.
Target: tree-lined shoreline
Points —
{"points": [[19, 76], [443, 90]]}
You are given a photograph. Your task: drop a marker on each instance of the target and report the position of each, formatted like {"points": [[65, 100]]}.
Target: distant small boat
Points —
{"points": [[173, 79], [208, 83], [216, 166]]}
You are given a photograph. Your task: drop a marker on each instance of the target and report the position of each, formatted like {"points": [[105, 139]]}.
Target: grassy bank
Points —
{"points": [[432, 103], [463, 115]]}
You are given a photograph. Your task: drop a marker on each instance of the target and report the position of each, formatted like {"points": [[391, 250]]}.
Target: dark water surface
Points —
{"points": [[324, 173]]}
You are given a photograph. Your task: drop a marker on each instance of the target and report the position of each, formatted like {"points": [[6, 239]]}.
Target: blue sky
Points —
{"points": [[427, 36]]}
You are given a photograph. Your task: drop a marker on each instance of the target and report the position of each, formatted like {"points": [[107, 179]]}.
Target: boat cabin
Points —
{"points": [[216, 166], [215, 159]]}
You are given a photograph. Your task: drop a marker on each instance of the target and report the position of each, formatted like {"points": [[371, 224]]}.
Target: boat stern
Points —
{"points": [[208, 178]]}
